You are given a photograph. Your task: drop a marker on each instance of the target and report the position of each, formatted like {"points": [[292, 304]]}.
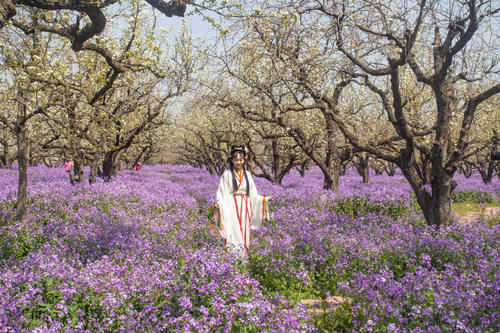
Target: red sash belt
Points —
{"points": [[239, 212]]}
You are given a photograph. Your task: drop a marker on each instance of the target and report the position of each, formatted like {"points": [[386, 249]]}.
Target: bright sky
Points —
{"points": [[199, 28]]}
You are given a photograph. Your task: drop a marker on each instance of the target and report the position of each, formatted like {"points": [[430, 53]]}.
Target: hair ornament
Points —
{"points": [[236, 149]]}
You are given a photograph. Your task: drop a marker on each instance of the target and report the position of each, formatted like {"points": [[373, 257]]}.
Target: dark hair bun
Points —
{"points": [[238, 149]]}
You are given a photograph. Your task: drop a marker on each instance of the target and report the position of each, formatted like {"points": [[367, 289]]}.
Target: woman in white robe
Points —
{"points": [[239, 208]]}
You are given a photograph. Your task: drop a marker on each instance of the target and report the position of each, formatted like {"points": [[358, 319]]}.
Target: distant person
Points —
{"points": [[68, 165], [138, 167], [239, 207]]}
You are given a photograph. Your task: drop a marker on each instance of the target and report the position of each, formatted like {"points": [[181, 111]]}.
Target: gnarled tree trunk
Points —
{"points": [[94, 171], [363, 167], [5, 160], [111, 164], [22, 160]]}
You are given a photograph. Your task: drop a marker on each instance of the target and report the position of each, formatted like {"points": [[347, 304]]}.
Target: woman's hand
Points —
{"points": [[216, 205], [271, 198]]}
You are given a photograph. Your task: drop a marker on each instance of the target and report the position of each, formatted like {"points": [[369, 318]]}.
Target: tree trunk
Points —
{"points": [[366, 175], [22, 159], [363, 168], [425, 169], [29, 155], [331, 179], [343, 169], [442, 186], [5, 160], [219, 169], [78, 170], [276, 158], [94, 166], [334, 158], [427, 176], [390, 169], [487, 176], [331, 171], [422, 195], [331, 175], [71, 176], [466, 170], [211, 170], [487, 171], [302, 169], [436, 206], [110, 165]]}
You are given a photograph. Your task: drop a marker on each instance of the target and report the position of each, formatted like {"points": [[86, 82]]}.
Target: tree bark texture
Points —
{"points": [[363, 168], [111, 164], [22, 159]]}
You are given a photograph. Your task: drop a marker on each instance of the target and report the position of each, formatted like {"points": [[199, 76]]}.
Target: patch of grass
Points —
{"points": [[466, 208], [494, 221], [472, 196]]}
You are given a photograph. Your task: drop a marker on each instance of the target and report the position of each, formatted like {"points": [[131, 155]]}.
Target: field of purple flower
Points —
{"points": [[137, 254]]}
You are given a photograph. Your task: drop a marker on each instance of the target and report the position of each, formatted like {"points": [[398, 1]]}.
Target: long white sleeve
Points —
{"points": [[260, 209]]}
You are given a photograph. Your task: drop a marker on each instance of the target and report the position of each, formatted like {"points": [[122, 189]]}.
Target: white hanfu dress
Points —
{"points": [[239, 213]]}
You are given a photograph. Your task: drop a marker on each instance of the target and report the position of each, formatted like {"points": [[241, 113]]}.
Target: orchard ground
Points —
{"points": [[137, 254]]}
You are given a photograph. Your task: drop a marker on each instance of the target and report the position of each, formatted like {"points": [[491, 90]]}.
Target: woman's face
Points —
{"points": [[238, 160]]}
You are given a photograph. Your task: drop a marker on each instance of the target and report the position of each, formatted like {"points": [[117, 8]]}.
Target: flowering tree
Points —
{"points": [[22, 54], [81, 28], [206, 134], [102, 121], [272, 152], [263, 72], [450, 51], [276, 152], [422, 70], [212, 121]]}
